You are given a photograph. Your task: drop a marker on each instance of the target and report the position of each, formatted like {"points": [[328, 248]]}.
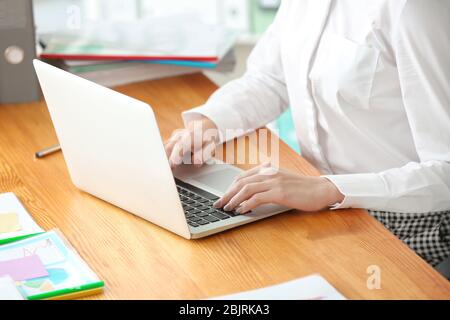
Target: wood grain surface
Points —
{"points": [[138, 260]]}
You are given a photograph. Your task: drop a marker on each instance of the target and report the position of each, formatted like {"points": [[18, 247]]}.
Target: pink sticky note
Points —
{"points": [[25, 268]]}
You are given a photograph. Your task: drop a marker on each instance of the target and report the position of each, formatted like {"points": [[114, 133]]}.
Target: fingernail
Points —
{"points": [[216, 204], [227, 208], [239, 210]]}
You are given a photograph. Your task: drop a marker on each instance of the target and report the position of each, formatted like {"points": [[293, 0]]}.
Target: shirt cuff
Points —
{"points": [[367, 191], [227, 120]]}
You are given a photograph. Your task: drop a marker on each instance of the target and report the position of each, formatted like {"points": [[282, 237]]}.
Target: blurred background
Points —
{"points": [[247, 19]]}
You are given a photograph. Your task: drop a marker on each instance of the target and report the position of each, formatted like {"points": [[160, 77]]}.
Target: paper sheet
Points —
{"points": [[9, 222], [313, 287], [8, 289], [9, 203], [24, 268]]}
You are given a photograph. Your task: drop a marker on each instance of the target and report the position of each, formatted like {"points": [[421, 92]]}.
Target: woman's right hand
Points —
{"points": [[198, 139]]}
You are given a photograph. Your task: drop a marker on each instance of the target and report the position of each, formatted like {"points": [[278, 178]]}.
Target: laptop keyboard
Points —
{"points": [[198, 206]]}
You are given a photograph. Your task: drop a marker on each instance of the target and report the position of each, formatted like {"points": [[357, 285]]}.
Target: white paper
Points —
{"points": [[313, 287], [10, 203], [8, 289], [135, 72]]}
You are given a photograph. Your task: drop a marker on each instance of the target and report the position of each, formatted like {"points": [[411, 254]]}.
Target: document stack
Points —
{"points": [[115, 53]]}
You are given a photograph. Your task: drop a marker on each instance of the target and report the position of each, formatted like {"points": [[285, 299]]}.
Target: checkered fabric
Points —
{"points": [[428, 234]]}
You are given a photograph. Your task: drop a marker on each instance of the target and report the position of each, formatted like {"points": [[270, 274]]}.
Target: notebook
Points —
{"points": [[227, 64], [132, 72], [15, 222], [46, 266]]}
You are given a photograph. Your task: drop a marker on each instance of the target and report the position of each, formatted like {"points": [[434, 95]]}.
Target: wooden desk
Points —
{"points": [[139, 260]]}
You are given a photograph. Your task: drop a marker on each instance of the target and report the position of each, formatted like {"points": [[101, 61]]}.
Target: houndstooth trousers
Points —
{"points": [[428, 234]]}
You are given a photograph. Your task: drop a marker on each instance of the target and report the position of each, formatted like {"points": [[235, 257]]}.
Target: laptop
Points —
{"points": [[113, 150]]}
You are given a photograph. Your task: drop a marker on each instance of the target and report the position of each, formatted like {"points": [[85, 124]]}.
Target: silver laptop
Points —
{"points": [[113, 150]]}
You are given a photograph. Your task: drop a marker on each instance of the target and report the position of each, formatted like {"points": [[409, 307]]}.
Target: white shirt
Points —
{"points": [[368, 82]]}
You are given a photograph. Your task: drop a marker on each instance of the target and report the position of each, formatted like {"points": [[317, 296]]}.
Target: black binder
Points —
{"points": [[18, 81]]}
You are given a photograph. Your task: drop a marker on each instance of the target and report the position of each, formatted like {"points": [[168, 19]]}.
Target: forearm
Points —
{"points": [[243, 105], [414, 188]]}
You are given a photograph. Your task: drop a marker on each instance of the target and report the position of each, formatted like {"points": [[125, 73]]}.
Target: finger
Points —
{"points": [[175, 136], [175, 156], [178, 153], [173, 140], [236, 187], [181, 149], [246, 193], [255, 201], [252, 172], [208, 151], [168, 146], [203, 154]]}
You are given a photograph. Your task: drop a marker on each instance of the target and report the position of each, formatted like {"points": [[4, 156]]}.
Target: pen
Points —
{"points": [[48, 151]]}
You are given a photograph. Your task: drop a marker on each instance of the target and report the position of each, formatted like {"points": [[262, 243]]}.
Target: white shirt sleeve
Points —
{"points": [[257, 98], [422, 49]]}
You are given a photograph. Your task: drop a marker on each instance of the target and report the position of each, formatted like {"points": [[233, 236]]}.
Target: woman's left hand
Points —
{"points": [[265, 184]]}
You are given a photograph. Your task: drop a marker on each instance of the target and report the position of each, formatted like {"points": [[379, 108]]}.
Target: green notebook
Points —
{"points": [[67, 275]]}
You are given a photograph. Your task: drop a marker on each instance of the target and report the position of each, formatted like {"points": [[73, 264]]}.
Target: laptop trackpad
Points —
{"points": [[215, 178]]}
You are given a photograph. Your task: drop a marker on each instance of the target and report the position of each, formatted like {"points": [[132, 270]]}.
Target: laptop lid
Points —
{"points": [[112, 147]]}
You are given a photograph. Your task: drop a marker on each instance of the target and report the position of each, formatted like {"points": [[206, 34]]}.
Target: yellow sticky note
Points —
{"points": [[9, 222]]}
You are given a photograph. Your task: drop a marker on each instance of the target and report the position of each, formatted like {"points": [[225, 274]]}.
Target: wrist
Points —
{"points": [[331, 193], [203, 122], [203, 129]]}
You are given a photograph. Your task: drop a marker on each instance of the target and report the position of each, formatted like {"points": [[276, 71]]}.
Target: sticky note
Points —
{"points": [[9, 222], [8, 290], [26, 268]]}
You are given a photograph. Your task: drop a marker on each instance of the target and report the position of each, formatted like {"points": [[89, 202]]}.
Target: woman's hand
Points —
{"points": [[198, 140], [265, 184]]}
